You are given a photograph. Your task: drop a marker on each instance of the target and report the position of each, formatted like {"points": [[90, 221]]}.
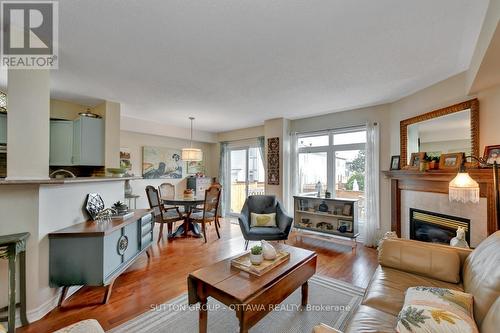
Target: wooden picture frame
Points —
{"points": [[451, 161], [395, 162], [472, 104], [346, 211], [347, 224], [415, 160], [489, 151]]}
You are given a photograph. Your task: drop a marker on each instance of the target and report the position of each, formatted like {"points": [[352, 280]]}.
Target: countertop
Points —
{"points": [[55, 181], [92, 228]]}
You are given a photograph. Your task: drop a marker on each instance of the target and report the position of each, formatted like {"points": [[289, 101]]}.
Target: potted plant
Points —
{"points": [[256, 257]]}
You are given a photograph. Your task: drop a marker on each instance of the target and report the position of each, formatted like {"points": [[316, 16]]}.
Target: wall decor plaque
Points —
{"points": [[273, 161]]}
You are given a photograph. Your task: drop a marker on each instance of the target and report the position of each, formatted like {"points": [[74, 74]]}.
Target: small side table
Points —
{"points": [[129, 198], [12, 246]]}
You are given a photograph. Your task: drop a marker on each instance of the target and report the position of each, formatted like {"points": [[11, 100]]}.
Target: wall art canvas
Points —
{"points": [[273, 161], [194, 167], [161, 162]]}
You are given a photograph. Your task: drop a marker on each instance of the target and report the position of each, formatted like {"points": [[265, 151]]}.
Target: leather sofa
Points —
{"points": [[406, 263]]}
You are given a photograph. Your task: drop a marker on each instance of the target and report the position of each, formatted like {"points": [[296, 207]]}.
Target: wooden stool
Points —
{"points": [[10, 247]]}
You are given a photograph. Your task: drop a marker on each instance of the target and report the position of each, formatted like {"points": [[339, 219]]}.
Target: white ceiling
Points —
{"points": [[233, 64]]}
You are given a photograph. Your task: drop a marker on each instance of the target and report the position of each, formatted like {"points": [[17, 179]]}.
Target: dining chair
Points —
{"points": [[167, 191], [210, 210], [162, 214]]}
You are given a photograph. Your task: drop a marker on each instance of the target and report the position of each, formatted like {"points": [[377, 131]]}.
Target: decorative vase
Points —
{"points": [[256, 259], [128, 188], [424, 166], [323, 207], [268, 251]]}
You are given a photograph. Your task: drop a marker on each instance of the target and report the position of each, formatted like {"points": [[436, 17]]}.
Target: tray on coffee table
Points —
{"points": [[243, 263]]}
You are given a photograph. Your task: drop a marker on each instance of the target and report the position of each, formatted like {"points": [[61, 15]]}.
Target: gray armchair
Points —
{"points": [[264, 204]]}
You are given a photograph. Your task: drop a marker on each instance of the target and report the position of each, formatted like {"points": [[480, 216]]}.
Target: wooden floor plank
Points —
{"points": [[163, 277]]}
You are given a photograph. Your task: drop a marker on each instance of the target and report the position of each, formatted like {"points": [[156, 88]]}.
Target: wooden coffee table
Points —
{"points": [[251, 297]]}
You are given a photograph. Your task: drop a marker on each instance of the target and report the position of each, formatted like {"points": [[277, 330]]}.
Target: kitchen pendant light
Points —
{"points": [[192, 154]]}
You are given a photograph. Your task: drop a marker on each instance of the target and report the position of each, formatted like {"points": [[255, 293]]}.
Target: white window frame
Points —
{"points": [[331, 150]]}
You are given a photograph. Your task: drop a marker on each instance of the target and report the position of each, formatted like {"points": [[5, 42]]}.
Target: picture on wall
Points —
{"points": [[125, 161], [273, 161], [194, 167], [161, 162]]}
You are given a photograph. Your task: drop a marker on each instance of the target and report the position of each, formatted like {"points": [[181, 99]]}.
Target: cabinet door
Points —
{"points": [[3, 128], [61, 142], [88, 145]]}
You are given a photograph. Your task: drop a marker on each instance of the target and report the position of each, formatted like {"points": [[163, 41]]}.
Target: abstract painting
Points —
{"points": [[160, 162], [273, 161]]}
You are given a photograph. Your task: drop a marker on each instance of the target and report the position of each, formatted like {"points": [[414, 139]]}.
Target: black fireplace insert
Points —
{"points": [[436, 228]]}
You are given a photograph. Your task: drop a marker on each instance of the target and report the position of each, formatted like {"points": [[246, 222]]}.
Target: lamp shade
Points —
{"points": [[192, 154], [464, 189]]}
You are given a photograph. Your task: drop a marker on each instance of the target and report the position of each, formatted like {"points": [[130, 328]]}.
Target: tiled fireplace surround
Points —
{"points": [[428, 191], [439, 203]]}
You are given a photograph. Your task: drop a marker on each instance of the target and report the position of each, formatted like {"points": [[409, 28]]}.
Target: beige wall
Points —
{"points": [[28, 124], [65, 110], [135, 141], [241, 134], [112, 135], [445, 93]]}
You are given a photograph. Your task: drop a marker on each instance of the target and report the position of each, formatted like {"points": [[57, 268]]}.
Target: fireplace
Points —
{"points": [[436, 228]]}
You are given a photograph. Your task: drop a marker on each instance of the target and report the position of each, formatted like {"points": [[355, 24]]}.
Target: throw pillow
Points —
{"points": [[262, 220], [430, 309]]}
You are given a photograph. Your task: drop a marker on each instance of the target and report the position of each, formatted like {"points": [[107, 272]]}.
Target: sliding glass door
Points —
{"points": [[246, 175]]}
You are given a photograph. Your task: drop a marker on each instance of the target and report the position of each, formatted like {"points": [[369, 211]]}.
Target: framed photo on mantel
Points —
{"points": [[395, 162]]}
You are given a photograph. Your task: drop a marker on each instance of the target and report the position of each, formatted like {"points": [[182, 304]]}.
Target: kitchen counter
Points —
{"points": [[56, 181]]}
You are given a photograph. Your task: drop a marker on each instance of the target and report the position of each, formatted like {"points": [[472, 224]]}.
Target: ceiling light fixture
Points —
{"points": [[192, 154]]}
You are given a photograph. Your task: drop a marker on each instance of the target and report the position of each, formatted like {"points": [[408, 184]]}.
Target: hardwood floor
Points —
{"points": [[163, 276]]}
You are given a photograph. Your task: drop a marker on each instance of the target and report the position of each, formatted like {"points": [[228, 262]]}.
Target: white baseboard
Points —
{"points": [[39, 312]]}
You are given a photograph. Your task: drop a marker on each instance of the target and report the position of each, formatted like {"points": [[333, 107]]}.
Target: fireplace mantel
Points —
{"points": [[436, 181]]}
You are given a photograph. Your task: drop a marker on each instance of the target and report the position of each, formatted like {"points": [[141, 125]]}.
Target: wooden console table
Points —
{"points": [[95, 254]]}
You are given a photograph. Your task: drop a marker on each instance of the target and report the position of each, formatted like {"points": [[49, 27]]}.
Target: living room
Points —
{"points": [[250, 166]]}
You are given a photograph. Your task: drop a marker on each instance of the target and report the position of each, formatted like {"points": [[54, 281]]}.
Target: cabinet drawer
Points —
{"points": [[147, 228], [146, 240], [147, 219]]}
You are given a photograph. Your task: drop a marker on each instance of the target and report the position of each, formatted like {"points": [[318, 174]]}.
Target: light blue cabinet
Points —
{"points": [[95, 254], [88, 141], [61, 142], [3, 128]]}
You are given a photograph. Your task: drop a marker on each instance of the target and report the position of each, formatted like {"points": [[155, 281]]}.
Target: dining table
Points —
{"points": [[189, 205]]}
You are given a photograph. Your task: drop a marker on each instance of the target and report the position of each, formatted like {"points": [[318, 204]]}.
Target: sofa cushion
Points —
{"points": [[435, 262], [370, 320], [262, 220], [387, 288], [481, 275], [491, 322], [429, 309], [84, 326]]}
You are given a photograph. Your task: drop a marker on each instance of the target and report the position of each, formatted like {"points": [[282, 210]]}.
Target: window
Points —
{"points": [[312, 169], [313, 141], [334, 161]]}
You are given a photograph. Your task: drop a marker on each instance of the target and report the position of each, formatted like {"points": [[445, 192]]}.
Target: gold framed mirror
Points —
{"points": [[448, 130]]}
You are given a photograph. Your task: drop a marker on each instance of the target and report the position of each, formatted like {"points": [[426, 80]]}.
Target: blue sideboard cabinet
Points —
{"points": [[95, 254]]}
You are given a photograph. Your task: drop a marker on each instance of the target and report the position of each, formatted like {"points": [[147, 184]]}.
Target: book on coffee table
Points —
{"points": [[243, 262]]}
